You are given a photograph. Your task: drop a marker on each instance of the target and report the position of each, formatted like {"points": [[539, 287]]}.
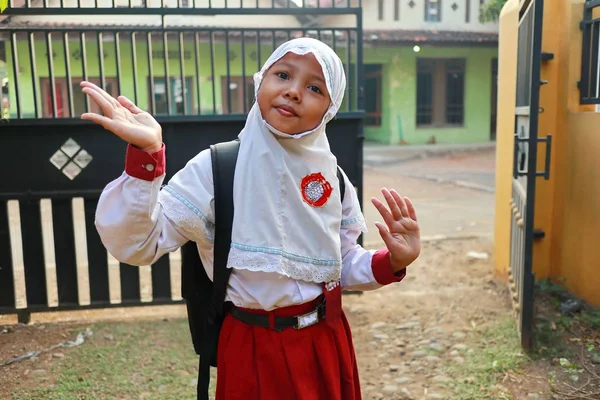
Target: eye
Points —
{"points": [[282, 75], [315, 89]]}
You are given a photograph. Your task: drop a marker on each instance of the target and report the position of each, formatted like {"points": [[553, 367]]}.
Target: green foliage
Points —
{"points": [[490, 12]]}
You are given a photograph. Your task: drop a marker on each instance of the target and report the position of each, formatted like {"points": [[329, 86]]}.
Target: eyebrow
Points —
{"points": [[292, 66]]}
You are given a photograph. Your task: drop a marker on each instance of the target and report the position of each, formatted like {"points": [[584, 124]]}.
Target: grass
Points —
{"points": [[497, 351], [141, 360]]}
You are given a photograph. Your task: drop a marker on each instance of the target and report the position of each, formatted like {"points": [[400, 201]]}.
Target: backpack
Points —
{"points": [[204, 298]]}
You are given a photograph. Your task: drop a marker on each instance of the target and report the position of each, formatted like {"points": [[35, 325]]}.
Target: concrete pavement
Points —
{"points": [[451, 187], [378, 154]]}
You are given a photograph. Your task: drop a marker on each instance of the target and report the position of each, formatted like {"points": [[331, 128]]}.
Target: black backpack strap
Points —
{"points": [[340, 176], [224, 157]]}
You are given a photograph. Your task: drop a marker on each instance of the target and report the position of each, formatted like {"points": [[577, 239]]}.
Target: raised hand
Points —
{"points": [[124, 119], [402, 234]]}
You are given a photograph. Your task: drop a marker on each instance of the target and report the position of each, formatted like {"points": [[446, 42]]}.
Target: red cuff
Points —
{"points": [[382, 268], [143, 165]]}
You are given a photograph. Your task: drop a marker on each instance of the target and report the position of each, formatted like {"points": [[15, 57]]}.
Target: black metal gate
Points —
{"points": [[196, 80], [523, 234]]}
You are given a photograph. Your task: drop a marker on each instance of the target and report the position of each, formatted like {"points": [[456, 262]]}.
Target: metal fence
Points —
{"points": [[188, 69], [589, 84]]}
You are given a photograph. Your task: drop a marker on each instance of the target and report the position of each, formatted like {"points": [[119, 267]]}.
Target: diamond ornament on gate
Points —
{"points": [[71, 159]]}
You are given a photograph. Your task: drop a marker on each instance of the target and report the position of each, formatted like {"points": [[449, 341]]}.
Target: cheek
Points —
{"points": [[320, 109], [261, 100]]}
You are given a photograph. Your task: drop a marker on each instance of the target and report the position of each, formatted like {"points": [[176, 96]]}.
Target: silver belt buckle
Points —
{"points": [[307, 319]]}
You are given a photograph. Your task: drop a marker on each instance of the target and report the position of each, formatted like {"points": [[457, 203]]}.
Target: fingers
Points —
{"points": [[400, 202], [412, 213], [392, 203], [398, 209], [103, 93], [128, 104], [105, 105], [385, 213], [107, 123]]}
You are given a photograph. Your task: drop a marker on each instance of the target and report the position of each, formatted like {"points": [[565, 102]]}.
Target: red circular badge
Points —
{"points": [[315, 189]]}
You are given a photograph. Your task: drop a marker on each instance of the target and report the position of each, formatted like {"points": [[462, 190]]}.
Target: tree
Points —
{"points": [[490, 12]]}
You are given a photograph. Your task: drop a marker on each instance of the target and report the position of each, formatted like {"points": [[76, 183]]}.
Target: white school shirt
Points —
{"points": [[134, 228]]}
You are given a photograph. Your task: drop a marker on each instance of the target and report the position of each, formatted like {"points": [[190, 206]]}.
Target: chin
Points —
{"points": [[283, 128]]}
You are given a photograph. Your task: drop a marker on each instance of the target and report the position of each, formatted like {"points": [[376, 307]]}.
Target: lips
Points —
{"points": [[286, 111]]}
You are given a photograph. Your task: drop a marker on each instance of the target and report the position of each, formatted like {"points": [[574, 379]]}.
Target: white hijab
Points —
{"points": [[274, 229]]}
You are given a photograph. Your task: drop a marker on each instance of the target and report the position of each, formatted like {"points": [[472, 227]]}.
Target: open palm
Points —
{"points": [[124, 119], [401, 232]]}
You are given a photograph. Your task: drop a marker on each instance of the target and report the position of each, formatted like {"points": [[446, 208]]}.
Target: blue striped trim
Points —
{"points": [[189, 205], [346, 222], [285, 254]]}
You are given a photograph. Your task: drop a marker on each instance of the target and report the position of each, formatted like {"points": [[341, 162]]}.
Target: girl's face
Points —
{"points": [[293, 96]]}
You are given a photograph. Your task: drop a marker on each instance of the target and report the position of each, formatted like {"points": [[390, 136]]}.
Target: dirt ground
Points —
{"points": [[404, 334], [410, 336], [407, 334]]}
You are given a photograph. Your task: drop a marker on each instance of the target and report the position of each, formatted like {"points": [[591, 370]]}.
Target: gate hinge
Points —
{"points": [[539, 234], [546, 56], [543, 82]]}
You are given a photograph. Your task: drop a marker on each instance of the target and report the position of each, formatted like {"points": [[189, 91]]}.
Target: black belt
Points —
{"points": [[280, 323]]}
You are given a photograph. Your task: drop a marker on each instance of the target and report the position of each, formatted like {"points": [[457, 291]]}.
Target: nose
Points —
{"points": [[292, 92]]}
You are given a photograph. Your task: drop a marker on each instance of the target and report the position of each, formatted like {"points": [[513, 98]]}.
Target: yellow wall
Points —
{"points": [[568, 205], [507, 88], [576, 218], [578, 260]]}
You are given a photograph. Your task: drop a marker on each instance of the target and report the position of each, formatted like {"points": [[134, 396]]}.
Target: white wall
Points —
{"points": [[414, 18]]}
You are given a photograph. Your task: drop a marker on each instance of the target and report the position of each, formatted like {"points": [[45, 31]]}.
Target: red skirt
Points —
{"points": [[314, 363]]}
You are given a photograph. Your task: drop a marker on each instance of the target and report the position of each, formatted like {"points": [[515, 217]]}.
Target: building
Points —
{"points": [[430, 65], [430, 72]]}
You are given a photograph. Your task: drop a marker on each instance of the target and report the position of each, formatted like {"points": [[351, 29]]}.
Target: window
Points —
{"points": [[178, 106], [373, 94], [236, 93], [433, 10], [440, 92]]}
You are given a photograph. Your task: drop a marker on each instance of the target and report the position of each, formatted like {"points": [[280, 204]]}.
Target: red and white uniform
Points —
{"points": [[314, 362], [292, 234]]}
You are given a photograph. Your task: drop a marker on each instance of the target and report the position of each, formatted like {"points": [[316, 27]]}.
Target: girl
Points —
{"points": [[293, 238]]}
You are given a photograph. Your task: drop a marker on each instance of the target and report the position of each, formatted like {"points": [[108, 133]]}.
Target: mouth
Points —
{"points": [[286, 111]]}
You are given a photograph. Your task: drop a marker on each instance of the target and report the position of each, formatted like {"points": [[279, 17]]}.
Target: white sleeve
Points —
{"points": [[138, 222]]}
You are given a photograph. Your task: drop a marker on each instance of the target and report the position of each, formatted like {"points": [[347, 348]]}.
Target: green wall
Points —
{"points": [[399, 95], [398, 80]]}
